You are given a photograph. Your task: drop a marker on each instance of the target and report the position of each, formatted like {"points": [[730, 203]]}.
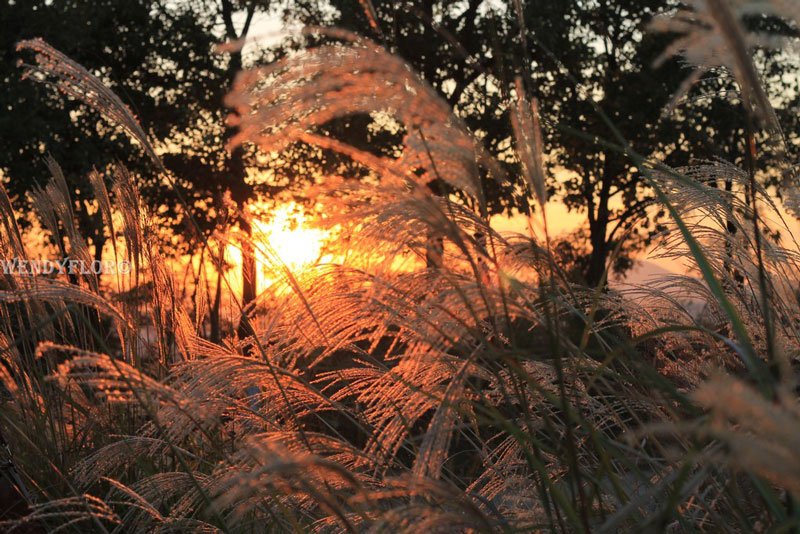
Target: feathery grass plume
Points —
{"points": [[762, 437], [282, 103], [70, 513], [722, 220], [712, 36], [381, 397], [59, 294], [528, 136], [60, 203], [127, 198], [46, 214], [138, 504], [73, 80], [12, 237], [266, 473], [107, 378]]}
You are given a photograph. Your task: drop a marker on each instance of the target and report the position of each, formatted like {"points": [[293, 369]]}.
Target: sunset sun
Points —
{"points": [[285, 239]]}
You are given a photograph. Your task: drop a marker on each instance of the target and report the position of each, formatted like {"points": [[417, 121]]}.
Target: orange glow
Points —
{"points": [[285, 239]]}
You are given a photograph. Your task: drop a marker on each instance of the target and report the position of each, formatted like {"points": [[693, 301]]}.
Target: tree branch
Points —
{"points": [[251, 9], [227, 18], [624, 217]]}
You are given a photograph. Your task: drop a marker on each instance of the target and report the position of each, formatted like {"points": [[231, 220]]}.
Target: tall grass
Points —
{"points": [[483, 393]]}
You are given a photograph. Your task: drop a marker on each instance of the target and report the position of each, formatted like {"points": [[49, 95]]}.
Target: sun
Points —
{"points": [[285, 239]]}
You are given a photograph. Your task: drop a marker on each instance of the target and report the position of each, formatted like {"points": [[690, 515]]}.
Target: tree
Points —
{"points": [[241, 192], [159, 57], [576, 57]]}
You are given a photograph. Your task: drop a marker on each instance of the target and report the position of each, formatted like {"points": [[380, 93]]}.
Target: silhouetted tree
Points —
{"points": [[156, 55], [159, 57], [576, 57]]}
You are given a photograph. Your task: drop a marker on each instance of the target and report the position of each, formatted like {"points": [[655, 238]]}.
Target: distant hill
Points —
{"points": [[646, 272], [642, 272]]}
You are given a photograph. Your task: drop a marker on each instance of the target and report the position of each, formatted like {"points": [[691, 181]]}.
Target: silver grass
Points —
{"points": [[528, 136], [364, 386], [73, 80], [282, 103], [762, 436], [712, 36]]}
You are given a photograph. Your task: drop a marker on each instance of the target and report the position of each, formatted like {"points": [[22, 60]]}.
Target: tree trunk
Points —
{"points": [[248, 276], [241, 193], [214, 314], [99, 243], [434, 248], [598, 233], [599, 254]]}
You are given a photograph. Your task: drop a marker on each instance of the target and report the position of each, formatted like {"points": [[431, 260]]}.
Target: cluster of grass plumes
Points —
{"points": [[482, 391]]}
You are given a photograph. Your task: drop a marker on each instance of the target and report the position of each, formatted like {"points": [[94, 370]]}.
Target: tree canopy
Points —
{"points": [[156, 55], [586, 61], [582, 60]]}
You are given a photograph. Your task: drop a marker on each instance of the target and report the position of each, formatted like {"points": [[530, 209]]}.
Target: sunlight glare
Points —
{"points": [[287, 236]]}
